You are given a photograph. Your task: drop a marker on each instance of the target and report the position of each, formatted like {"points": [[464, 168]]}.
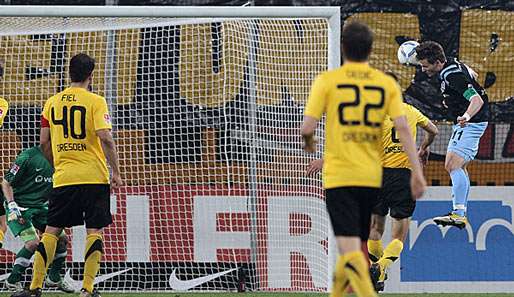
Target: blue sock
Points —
{"points": [[460, 191]]}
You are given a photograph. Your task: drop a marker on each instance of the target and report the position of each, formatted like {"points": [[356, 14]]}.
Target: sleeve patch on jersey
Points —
{"points": [[44, 122], [470, 92], [107, 118], [14, 169]]}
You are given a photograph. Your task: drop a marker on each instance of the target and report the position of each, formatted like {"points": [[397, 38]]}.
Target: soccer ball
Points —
{"points": [[407, 53]]}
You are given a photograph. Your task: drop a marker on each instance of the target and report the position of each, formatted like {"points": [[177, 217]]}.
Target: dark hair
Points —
{"points": [[431, 51], [81, 67], [393, 75], [357, 41]]}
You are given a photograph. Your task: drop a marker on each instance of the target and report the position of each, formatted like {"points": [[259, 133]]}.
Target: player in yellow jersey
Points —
{"points": [[4, 108], [76, 134], [356, 99], [395, 196]]}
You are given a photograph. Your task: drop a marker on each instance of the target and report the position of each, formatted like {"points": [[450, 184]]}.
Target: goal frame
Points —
{"points": [[330, 13]]}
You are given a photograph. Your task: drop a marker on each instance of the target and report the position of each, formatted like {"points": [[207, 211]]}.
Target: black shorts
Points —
{"points": [[395, 196], [350, 208], [73, 205]]}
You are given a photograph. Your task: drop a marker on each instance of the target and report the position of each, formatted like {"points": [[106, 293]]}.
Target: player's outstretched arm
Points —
{"points": [[418, 183], [431, 132], [111, 154]]}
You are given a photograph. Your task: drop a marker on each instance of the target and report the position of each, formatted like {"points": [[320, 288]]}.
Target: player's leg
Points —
{"points": [[54, 278], [97, 215], [462, 148], [28, 234], [396, 195], [62, 212], [44, 255], [375, 247], [350, 213], [379, 212], [393, 250]]}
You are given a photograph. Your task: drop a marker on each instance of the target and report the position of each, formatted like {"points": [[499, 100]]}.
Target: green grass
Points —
{"points": [[263, 295]]}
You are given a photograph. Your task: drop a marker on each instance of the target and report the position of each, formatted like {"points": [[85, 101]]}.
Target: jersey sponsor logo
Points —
{"points": [[1, 112], [38, 169], [14, 169], [184, 285], [44, 179], [77, 285], [443, 86], [107, 118]]}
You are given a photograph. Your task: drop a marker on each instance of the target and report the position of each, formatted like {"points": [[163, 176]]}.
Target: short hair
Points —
{"points": [[357, 41], [81, 67], [431, 51]]}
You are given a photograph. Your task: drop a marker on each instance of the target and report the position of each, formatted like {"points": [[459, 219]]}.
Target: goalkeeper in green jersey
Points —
{"points": [[24, 188]]}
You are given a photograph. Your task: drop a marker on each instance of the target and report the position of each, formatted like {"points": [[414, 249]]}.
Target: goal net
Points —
{"points": [[206, 113]]}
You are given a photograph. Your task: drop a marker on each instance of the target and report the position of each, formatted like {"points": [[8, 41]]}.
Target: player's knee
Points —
{"points": [[30, 238], [31, 245], [377, 227]]}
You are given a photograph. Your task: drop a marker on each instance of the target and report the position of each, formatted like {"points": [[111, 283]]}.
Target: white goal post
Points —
{"points": [[206, 105]]}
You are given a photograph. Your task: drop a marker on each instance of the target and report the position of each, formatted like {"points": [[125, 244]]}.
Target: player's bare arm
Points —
{"points": [[431, 132], [418, 183], [46, 145], [111, 154], [475, 105], [14, 209], [307, 131]]}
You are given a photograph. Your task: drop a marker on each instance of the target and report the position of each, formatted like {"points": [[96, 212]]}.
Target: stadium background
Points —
{"points": [[159, 147]]}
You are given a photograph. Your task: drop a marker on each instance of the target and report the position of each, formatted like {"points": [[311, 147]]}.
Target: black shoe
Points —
{"points": [[86, 293], [380, 287], [28, 293], [374, 273]]}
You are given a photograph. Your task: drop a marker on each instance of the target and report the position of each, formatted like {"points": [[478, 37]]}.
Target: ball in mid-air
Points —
{"points": [[407, 53]]}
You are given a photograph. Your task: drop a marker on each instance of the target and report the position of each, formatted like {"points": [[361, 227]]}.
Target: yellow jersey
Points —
{"points": [[355, 98], [393, 155], [4, 107], [73, 116]]}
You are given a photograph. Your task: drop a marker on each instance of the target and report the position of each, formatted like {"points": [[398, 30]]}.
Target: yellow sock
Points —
{"points": [[43, 256], [341, 281], [92, 260], [375, 250], [356, 268], [2, 234], [391, 253]]}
